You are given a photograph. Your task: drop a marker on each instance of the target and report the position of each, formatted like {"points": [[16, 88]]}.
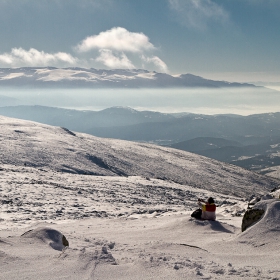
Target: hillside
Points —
{"points": [[251, 142], [25, 143]]}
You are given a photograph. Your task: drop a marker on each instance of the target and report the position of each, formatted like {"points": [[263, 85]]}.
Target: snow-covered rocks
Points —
{"points": [[250, 217], [262, 218], [49, 236]]}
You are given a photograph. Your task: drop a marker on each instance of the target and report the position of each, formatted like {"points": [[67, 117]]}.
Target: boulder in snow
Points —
{"points": [[52, 237], [250, 217]]}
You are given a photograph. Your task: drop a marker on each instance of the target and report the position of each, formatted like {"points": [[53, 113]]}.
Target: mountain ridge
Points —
{"points": [[102, 78], [130, 124]]}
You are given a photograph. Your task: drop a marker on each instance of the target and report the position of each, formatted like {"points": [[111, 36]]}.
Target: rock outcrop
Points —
{"points": [[250, 217]]}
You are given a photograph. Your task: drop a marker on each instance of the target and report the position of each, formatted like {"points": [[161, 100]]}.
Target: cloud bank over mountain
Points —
{"points": [[114, 48], [194, 36], [33, 57]]}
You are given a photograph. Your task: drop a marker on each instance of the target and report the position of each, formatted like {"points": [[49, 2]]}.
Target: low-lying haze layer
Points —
{"points": [[243, 101]]}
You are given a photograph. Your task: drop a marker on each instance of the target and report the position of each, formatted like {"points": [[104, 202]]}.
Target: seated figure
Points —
{"points": [[207, 210]]}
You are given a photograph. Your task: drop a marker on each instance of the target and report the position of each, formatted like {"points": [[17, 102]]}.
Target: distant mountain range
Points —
{"points": [[9, 101], [252, 142], [85, 121], [129, 124], [99, 78]]}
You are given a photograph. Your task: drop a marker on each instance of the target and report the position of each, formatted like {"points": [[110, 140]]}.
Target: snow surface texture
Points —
{"points": [[133, 222], [171, 246]]}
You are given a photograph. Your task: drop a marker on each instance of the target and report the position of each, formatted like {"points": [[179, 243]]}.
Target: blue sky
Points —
{"points": [[220, 39]]}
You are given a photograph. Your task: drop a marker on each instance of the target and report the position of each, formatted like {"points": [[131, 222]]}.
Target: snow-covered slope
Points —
{"points": [[122, 226], [119, 78], [25, 143]]}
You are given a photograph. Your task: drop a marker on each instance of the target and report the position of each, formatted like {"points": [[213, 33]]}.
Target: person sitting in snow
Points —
{"points": [[207, 210]]}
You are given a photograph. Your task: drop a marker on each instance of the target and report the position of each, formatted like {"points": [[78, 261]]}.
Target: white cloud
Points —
{"points": [[156, 61], [118, 39], [114, 61], [197, 13], [113, 45], [33, 57], [114, 48]]}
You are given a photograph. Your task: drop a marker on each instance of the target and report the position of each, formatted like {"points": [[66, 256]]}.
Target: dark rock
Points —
{"points": [[250, 217], [111, 245], [68, 131], [7, 201], [104, 250], [275, 189], [65, 241]]}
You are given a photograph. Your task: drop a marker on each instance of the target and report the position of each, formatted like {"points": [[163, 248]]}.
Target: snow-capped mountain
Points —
{"points": [[99, 78]]}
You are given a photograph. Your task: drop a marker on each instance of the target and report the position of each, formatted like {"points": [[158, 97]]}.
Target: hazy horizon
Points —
{"points": [[242, 101]]}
